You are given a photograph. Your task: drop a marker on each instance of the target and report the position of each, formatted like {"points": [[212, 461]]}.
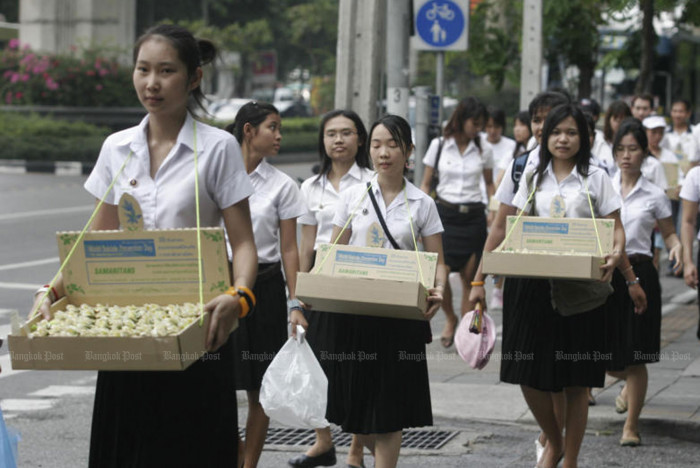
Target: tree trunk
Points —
{"points": [[585, 75], [645, 70]]}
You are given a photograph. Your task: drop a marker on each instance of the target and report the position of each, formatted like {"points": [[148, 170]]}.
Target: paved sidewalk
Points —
{"points": [[673, 396]]}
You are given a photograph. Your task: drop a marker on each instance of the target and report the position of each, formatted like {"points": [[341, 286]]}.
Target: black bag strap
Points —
{"points": [[381, 218], [439, 152], [518, 168]]}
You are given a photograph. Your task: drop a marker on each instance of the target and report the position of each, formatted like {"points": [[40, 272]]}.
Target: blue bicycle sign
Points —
{"points": [[443, 11], [440, 24]]}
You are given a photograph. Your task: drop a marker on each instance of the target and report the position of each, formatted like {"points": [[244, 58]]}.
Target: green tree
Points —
{"points": [[570, 31]]}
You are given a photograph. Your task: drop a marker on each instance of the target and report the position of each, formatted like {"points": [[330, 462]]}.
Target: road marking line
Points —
{"points": [[13, 266], [7, 370], [27, 286], [63, 390], [19, 404], [43, 213]]}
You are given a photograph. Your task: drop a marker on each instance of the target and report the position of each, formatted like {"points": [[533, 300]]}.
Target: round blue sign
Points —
{"points": [[440, 23]]}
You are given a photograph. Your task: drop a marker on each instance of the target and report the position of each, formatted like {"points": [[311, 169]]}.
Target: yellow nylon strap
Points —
{"points": [[199, 234], [413, 235], [590, 205], [529, 199], [595, 224], [347, 223], [80, 236]]}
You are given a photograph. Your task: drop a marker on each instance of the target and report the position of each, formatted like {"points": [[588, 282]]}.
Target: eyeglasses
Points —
{"points": [[343, 134]]}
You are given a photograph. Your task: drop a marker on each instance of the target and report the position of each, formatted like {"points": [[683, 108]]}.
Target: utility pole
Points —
{"points": [[360, 55], [397, 39], [531, 66]]}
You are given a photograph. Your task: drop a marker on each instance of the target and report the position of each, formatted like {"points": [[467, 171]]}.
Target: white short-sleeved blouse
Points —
{"points": [[572, 190], [168, 200], [365, 226], [460, 173], [691, 187], [506, 189], [276, 197], [641, 208], [321, 198]]}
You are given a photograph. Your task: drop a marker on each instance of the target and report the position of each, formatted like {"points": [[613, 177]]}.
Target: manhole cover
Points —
{"points": [[412, 438]]}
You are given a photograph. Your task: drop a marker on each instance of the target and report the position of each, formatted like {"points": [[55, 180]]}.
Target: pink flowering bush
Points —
{"points": [[91, 80]]}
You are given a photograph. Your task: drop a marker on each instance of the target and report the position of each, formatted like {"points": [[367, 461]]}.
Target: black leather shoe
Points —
{"points": [[305, 461]]}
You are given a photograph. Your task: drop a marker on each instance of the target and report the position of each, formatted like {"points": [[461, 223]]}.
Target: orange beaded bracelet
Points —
{"points": [[246, 298]]}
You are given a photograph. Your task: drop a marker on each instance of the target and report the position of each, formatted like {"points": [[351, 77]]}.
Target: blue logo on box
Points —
{"points": [[530, 227], [120, 248], [360, 258]]}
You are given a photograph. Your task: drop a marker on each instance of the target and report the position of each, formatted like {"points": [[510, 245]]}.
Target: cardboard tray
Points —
{"points": [[363, 296], [109, 353], [130, 267], [542, 265], [551, 248]]}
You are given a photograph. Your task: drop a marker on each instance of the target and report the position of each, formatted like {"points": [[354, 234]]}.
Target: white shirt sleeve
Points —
{"points": [[606, 199], [101, 175], [291, 203], [431, 153], [504, 192], [520, 198], [232, 181], [342, 208], [487, 155], [308, 218], [662, 208], [691, 186]]}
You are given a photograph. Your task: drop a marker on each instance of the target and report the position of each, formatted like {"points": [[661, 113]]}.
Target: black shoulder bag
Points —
{"points": [[436, 177]]}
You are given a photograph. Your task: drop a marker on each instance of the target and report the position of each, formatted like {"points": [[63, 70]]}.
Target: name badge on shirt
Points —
{"points": [[557, 209], [375, 236]]}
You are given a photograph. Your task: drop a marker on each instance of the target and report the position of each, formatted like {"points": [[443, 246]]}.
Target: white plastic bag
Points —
{"points": [[294, 387]]}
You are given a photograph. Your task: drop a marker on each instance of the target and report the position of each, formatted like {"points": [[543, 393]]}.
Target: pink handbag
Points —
{"points": [[475, 338]]}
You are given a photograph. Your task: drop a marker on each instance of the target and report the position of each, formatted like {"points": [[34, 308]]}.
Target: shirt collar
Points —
{"points": [[574, 173], [264, 170], [354, 172], [412, 192], [452, 142], [642, 184], [186, 135]]}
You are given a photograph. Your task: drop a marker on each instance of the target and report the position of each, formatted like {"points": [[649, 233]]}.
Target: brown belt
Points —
{"points": [[639, 258], [463, 208]]}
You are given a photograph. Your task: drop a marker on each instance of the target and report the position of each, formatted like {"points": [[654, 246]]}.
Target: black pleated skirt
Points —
{"points": [[378, 379], [633, 338], [260, 336], [184, 419], [464, 236], [545, 350]]}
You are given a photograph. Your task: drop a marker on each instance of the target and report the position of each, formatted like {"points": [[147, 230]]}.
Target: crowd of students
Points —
{"points": [[557, 162]]}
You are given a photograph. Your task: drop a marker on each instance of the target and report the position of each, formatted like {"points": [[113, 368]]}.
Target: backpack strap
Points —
{"points": [[518, 168]]}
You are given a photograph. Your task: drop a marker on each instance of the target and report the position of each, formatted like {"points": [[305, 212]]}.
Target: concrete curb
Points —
{"points": [[17, 166]]}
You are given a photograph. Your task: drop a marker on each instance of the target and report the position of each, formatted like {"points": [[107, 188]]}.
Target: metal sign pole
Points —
{"points": [[439, 81]]}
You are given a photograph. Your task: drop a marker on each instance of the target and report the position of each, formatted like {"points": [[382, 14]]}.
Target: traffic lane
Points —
{"points": [[35, 192]]}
